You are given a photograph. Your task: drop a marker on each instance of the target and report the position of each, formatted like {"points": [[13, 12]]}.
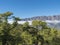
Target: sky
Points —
{"points": [[30, 8]]}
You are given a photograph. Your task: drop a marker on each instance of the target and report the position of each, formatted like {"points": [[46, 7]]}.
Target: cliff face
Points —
{"points": [[43, 18]]}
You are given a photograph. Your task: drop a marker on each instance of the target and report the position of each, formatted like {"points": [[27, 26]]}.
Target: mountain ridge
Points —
{"points": [[42, 18], [52, 21]]}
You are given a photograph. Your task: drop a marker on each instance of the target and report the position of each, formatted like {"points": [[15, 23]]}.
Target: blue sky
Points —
{"points": [[30, 8]]}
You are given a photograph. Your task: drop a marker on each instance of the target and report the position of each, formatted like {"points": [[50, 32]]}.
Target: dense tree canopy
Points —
{"points": [[24, 34]]}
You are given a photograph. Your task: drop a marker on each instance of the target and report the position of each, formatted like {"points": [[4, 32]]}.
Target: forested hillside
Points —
{"points": [[24, 34]]}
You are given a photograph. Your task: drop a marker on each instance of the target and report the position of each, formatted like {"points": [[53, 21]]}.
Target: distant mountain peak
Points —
{"points": [[43, 18]]}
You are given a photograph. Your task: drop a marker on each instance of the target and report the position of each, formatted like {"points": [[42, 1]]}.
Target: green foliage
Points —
{"points": [[24, 34], [27, 38], [26, 24], [39, 24]]}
